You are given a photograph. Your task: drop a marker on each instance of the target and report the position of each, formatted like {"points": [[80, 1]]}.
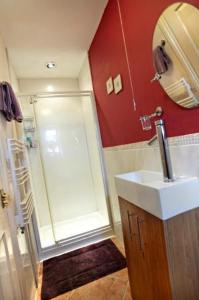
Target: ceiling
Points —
{"points": [[38, 31]]}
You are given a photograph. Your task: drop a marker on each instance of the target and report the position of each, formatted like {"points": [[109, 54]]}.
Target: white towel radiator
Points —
{"points": [[25, 214]]}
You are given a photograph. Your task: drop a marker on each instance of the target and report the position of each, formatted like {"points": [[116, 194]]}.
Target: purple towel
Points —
{"points": [[9, 104], [161, 60]]}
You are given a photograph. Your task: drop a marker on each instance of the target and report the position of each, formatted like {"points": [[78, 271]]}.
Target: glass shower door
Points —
{"points": [[69, 173]]}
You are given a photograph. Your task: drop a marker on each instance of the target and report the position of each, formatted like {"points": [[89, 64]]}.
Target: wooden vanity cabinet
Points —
{"points": [[162, 256]]}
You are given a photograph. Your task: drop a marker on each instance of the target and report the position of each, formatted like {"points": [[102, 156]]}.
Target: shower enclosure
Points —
{"points": [[67, 171]]}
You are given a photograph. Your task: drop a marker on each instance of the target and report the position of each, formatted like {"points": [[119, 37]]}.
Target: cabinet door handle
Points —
{"points": [[129, 223], [139, 221]]}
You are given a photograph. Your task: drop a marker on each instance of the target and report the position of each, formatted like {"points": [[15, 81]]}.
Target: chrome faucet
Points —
{"points": [[164, 151], [162, 141]]}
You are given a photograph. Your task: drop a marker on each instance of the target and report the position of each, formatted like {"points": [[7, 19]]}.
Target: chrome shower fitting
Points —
{"points": [[146, 120]]}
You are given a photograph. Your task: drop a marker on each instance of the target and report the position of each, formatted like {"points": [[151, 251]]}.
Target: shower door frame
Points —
{"points": [[95, 235]]}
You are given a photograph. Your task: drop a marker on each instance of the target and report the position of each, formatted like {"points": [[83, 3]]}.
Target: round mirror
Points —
{"points": [[176, 53]]}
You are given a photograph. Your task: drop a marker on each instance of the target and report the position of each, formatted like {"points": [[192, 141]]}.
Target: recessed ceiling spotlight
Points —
{"points": [[51, 65]]}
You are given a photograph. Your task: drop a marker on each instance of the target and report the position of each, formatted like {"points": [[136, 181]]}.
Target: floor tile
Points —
{"points": [[127, 295], [95, 290], [122, 275], [117, 290]]}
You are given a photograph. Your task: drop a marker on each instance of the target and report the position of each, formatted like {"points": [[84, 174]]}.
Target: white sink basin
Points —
{"points": [[147, 190]]}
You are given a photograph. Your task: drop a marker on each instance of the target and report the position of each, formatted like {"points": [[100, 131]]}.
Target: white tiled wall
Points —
{"points": [[85, 84], [126, 158]]}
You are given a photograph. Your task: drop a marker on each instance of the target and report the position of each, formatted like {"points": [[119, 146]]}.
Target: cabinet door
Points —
{"points": [[155, 256], [138, 276], [146, 253]]}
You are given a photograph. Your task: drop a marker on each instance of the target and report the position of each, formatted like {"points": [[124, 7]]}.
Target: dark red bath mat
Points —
{"points": [[74, 269]]}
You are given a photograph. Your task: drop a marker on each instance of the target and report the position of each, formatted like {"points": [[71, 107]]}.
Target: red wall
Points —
{"points": [[119, 123]]}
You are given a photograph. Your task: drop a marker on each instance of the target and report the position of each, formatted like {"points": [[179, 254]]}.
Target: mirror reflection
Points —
{"points": [[176, 53]]}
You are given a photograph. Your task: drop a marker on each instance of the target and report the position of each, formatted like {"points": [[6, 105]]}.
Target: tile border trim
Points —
{"points": [[182, 140]]}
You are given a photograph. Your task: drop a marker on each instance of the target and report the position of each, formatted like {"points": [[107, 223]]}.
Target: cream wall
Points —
{"points": [[41, 85], [13, 79], [85, 80], [6, 71]]}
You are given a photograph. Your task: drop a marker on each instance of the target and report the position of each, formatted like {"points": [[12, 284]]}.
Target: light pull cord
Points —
{"points": [[127, 57]]}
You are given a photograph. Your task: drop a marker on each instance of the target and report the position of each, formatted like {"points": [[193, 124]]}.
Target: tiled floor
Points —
{"points": [[112, 287]]}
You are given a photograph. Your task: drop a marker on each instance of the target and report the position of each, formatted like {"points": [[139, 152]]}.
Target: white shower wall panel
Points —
{"points": [[93, 137], [93, 148], [66, 161]]}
